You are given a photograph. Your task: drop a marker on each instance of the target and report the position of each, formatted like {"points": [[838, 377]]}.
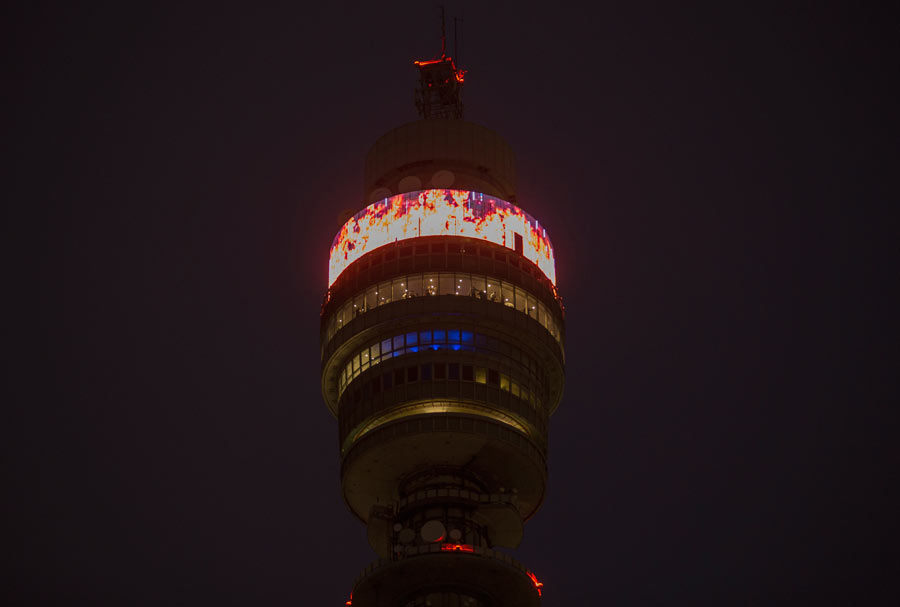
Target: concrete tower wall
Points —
{"points": [[441, 154]]}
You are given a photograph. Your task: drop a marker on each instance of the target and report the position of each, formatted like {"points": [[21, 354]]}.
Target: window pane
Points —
{"points": [[504, 382], [464, 285], [509, 294], [386, 346], [387, 380], [399, 376], [426, 372], [440, 336], [415, 285], [424, 337], [521, 299], [371, 300], [398, 288], [480, 339], [481, 375], [412, 374], [440, 370], [514, 388], [398, 342], [493, 377], [478, 285], [412, 339], [532, 306], [493, 289], [453, 336], [447, 284], [467, 337], [384, 293], [453, 370], [468, 373], [375, 351], [430, 282]]}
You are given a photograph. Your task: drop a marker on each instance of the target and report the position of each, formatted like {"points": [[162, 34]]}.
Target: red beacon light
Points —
{"points": [[457, 548], [537, 585]]}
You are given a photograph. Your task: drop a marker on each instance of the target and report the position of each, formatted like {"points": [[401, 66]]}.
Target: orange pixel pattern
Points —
{"points": [[440, 213]]}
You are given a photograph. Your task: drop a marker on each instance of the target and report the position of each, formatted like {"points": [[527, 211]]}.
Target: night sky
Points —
{"points": [[711, 178]]}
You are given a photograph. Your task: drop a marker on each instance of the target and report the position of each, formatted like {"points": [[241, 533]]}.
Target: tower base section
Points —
{"points": [[448, 573]]}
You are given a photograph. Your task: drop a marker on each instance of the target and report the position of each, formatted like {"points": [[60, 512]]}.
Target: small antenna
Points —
{"points": [[443, 33], [456, 22]]}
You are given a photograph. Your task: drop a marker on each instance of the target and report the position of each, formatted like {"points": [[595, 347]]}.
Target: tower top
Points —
{"points": [[439, 91]]}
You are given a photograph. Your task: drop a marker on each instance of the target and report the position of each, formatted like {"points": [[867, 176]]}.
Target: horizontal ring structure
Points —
{"points": [[517, 331], [441, 213]]}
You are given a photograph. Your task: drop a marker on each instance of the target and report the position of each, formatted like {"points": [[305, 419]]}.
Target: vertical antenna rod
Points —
{"points": [[443, 34]]}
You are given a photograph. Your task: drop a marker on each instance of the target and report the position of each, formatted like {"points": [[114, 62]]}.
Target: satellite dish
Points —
{"points": [[378, 194], [410, 183], [406, 536], [443, 179], [433, 531], [455, 534]]}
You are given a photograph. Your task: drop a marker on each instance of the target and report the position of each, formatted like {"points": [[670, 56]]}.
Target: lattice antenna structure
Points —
{"points": [[439, 90]]}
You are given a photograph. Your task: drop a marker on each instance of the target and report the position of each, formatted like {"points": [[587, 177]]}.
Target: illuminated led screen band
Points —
{"points": [[440, 213]]}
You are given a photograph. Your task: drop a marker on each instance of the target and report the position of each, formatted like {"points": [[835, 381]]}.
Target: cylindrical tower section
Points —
{"points": [[443, 359], [440, 154]]}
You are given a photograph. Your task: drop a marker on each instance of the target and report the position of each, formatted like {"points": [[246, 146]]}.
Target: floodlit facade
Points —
{"points": [[442, 358]]}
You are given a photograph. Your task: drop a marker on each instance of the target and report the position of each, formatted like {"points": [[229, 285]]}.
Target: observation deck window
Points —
{"points": [[443, 283]]}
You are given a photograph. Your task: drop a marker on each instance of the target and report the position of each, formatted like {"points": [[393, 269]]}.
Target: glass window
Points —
{"points": [[355, 363], [532, 306], [480, 339], [412, 374], [415, 286], [521, 299], [371, 298], [453, 370], [424, 337], [386, 346], [430, 284], [447, 287], [398, 342], [387, 380], [464, 285], [440, 336], [493, 377], [504, 382], [478, 285], [468, 373], [493, 289], [453, 336], [376, 385], [481, 375], [426, 372], [398, 288], [467, 337], [508, 294], [440, 370], [399, 376], [359, 304], [384, 293], [514, 388], [376, 351]]}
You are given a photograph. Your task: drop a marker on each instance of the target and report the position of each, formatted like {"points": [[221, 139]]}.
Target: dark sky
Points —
{"points": [[710, 177]]}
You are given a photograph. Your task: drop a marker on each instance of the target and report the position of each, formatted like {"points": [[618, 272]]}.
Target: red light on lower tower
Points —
{"points": [[457, 548], [537, 585]]}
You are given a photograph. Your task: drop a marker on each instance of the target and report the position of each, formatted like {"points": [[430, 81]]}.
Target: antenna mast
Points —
{"points": [[439, 91]]}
